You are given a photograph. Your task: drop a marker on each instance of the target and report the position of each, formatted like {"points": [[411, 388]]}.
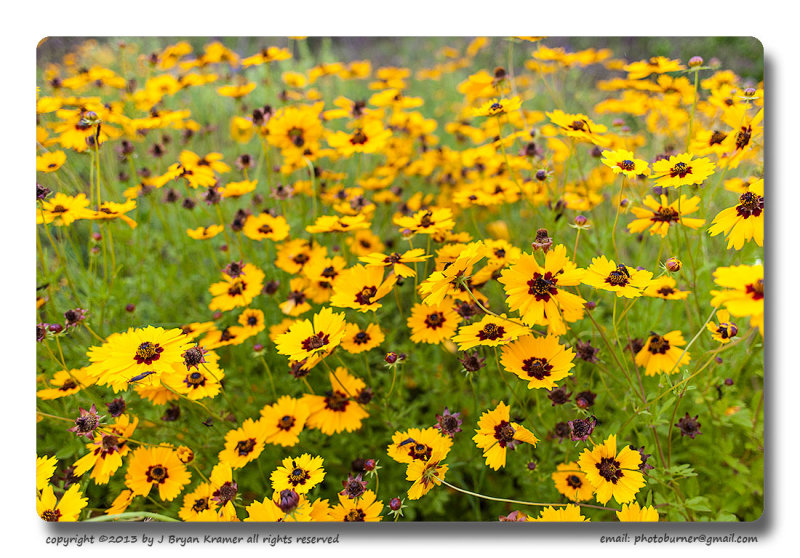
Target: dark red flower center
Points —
{"points": [[536, 367], [245, 447], [365, 295], [504, 433], [658, 345], [491, 332], [680, 169], [148, 352], [756, 290], [542, 287], [157, 474], [315, 342], [286, 422], [665, 215], [434, 320], [626, 165], [750, 205], [609, 468]]}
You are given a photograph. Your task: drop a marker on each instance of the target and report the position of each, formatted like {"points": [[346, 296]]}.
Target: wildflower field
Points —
{"points": [[507, 280]]}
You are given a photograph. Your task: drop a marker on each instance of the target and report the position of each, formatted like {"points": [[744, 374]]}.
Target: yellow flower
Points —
{"points": [[496, 107], [622, 161], [744, 221], [236, 91], [632, 512], [341, 408], [664, 288], [284, 420], [50, 162], [541, 361], [157, 467], [490, 331], [572, 483], [626, 281], [68, 508], [538, 292], [611, 473], [682, 170], [659, 216], [361, 287], [496, 434], [300, 474], [662, 353], [366, 508], [570, 513]]}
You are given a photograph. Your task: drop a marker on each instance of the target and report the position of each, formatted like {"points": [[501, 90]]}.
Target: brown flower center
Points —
{"points": [[542, 287], [245, 447], [750, 205], [157, 474], [504, 433], [434, 320], [148, 352], [658, 345], [680, 169], [491, 332], [609, 469], [286, 422], [536, 367]]}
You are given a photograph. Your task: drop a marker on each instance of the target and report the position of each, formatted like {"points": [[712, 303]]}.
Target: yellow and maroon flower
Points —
{"points": [[496, 434]]}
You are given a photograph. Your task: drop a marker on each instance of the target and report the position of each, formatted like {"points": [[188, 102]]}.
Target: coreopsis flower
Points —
{"points": [[665, 287], [496, 107], [338, 223], [236, 91], [296, 128], [244, 444], [321, 273], [682, 170], [538, 292], [433, 323], [296, 302], [622, 161], [204, 381], [625, 281], [447, 282], [396, 261], [579, 126], [424, 475], [196, 502], [51, 161], [659, 216], [300, 474], [280, 508], [357, 340], [431, 221], [496, 434], [294, 254], [361, 287], [233, 292], [743, 293], [204, 233], [633, 512], [68, 508], [654, 65], [572, 483], [339, 409], [725, 330], [284, 420], [107, 449], [223, 491], [611, 473], [156, 467], [541, 361], [45, 467], [307, 338], [252, 319], [121, 502], [366, 508], [418, 444], [662, 353], [266, 55], [137, 355], [569, 513], [490, 331], [744, 221], [368, 137], [62, 210], [64, 383], [112, 210], [265, 226]]}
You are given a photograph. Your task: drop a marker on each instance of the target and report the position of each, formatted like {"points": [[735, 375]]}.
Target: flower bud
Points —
{"points": [[673, 265], [395, 504], [391, 358], [695, 61]]}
